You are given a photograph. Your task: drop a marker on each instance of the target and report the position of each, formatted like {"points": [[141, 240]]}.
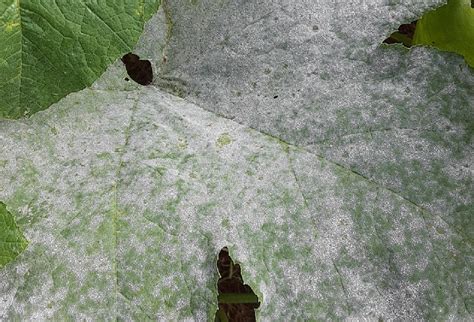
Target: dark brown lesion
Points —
{"points": [[404, 35], [236, 300], [138, 70]]}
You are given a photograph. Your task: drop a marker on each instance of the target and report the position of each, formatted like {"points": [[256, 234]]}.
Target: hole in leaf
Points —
{"points": [[236, 300], [138, 70], [404, 35]]}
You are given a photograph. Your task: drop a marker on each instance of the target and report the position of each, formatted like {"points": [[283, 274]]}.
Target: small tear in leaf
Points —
{"points": [[138, 70], [236, 300]]}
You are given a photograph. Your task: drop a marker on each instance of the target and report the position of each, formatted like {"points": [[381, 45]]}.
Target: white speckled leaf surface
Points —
{"points": [[338, 171]]}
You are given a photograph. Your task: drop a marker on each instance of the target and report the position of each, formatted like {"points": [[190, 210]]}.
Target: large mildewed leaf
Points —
{"points": [[336, 170], [51, 48]]}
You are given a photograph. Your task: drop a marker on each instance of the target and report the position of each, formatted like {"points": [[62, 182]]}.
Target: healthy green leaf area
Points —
{"points": [[12, 242], [449, 28], [337, 171], [52, 48]]}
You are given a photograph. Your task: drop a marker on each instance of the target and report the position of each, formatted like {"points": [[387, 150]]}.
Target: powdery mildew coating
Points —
{"points": [[348, 199]]}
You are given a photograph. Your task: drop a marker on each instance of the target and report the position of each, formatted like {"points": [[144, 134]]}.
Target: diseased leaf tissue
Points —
{"points": [[338, 171]]}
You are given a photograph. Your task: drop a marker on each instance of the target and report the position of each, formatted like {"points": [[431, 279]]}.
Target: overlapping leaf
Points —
{"points": [[51, 48], [449, 28]]}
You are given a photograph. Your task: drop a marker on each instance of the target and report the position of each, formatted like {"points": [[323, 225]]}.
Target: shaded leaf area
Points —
{"points": [[139, 70], [237, 301], [12, 241]]}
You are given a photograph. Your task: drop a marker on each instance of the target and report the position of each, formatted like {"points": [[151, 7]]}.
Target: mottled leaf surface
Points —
{"points": [[51, 48], [337, 171]]}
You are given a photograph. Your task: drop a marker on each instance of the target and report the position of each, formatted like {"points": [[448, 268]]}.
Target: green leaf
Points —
{"points": [[337, 171], [12, 242], [52, 48], [449, 28]]}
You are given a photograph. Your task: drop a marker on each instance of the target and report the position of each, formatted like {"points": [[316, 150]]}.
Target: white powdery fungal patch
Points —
{"points": [[346, 210]]}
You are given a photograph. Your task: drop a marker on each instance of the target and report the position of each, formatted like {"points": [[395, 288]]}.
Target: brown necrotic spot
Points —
{"points": [[138, 70]]}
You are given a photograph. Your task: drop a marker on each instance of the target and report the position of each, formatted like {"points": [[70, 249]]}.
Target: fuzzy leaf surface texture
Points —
{"points": [[338, 172]]}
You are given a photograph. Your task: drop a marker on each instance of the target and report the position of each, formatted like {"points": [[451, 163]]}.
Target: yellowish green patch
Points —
{"points": [[223, 140]]}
